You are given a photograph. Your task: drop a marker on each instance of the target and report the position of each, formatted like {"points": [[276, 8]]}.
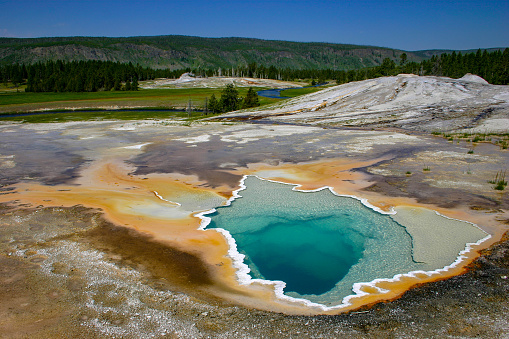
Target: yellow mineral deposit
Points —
{"points": [[164, 205]]}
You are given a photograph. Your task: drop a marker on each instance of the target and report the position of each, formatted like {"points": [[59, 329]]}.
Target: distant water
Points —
{"points": [[318, 243]]}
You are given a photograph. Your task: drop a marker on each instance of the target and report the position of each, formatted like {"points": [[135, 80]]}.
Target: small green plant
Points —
{"points": [[499, 181], [408, 172], [426, 169], [470, 151], [500, 186]]}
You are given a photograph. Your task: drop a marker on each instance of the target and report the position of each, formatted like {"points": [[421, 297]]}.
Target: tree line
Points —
{"points": [[80, 76], [91, 76], [231, 101], [492, 66]]}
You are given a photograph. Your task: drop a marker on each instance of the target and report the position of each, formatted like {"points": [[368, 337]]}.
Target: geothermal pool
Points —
{"points": [[321, 245]]}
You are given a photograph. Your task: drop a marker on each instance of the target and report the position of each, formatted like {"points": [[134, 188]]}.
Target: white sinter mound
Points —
{"points": [[406, 101], [474, 78]]}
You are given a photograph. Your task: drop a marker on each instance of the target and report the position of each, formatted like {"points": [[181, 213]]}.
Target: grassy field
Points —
{"points": [[9, 87], [94, 105], [15, 102]]}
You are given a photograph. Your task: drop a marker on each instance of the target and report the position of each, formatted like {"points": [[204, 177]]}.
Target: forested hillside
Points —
{"points": [[92, 76], [179, 52], [492, 66], [87, 64]]}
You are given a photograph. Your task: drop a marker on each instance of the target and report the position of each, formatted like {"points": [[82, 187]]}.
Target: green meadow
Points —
{"points": [[95, 103]]}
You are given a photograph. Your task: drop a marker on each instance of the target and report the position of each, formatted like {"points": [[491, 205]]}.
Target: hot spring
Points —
{"points": [[320, 244]]}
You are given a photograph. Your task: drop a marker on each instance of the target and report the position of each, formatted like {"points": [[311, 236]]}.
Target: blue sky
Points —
{"points": [[408, 25]]}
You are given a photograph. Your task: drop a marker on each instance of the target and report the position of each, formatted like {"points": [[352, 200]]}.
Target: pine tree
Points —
{"points": [[230, 100], [214, 105], [117, 86], [134, 84], [251, 99], [403, 59], [17, 79]]}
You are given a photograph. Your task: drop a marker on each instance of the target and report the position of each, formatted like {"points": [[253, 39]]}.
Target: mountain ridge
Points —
{"points": [[181, 51], [177, 51]]}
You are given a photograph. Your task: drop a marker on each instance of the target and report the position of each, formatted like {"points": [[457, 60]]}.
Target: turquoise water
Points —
{"points": [[318, 243]]}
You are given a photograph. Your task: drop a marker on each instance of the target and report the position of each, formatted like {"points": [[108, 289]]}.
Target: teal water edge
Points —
{"points": [[318, 243]]}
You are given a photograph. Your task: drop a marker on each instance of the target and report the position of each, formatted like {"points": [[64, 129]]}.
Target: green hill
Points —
{"points": [[427, 54], [176, 52]]}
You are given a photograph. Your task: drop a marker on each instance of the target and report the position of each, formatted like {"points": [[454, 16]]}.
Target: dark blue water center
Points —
{"points": [[310, 258], [308, 240]]}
